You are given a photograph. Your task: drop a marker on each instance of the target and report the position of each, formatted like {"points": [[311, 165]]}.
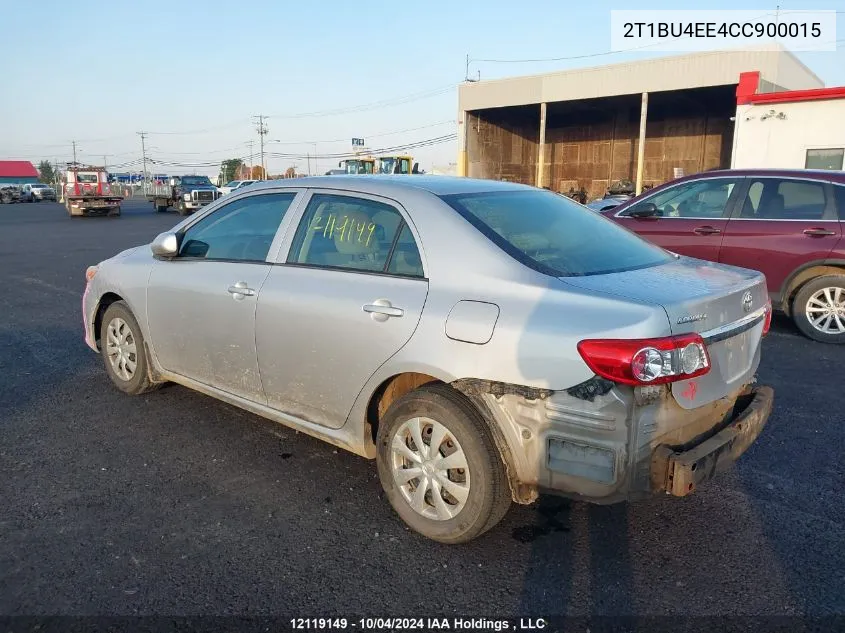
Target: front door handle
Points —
{"points": [[240, 290], [706, 230], [382, 309], [818, 232]]}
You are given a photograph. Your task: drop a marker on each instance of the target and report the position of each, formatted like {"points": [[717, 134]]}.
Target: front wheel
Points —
{"points": [[124, 354], [819, 309], [439, 465], [181, 209]]}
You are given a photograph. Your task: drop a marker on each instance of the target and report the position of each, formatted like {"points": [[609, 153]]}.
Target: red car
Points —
{"points": [[785, 223]]}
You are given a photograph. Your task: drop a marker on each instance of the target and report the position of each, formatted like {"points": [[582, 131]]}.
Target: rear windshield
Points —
{"points": [[39, 186], [80, 177], [555, 235]]}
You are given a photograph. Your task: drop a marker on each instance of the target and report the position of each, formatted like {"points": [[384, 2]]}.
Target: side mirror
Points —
{"points": [[644, 210], [173, 182], [165, 245], [416, 168]]}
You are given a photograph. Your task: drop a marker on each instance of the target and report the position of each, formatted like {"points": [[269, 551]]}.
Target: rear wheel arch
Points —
{"points": [[807, 273], [398, 385]]}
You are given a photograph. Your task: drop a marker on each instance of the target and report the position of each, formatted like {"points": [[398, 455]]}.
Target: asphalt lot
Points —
{"points": [[175, 503]]}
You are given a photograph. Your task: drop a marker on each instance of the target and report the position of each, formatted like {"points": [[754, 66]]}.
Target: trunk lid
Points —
{"points": [[726, 305]]}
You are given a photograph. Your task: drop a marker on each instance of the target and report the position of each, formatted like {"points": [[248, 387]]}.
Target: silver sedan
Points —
{"points": [[482, 341]]}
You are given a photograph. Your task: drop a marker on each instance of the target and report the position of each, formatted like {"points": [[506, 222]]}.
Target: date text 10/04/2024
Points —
{"points": [[418, 624]]}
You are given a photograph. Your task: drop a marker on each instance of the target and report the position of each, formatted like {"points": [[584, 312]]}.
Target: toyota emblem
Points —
{"points": [[747, 301]]}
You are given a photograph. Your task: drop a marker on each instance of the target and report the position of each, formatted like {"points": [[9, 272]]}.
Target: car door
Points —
{"points": [[692, 216], [781, 225], [201, 304], [348, 296]]}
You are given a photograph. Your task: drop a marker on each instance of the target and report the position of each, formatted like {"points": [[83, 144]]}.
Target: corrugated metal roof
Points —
{"points": [[776, 65], [17, 169]]}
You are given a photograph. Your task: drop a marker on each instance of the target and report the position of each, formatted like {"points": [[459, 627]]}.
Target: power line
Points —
{"points": [[380, 135], [590, 55]]}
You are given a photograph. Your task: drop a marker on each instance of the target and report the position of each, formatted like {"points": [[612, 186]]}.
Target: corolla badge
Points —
{"points": [[691, 318], [747, 301]]}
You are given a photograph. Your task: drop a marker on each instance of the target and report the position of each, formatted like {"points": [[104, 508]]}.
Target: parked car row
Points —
{"points": [[29, 192]]}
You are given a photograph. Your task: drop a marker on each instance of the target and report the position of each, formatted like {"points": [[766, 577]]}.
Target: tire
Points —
{"points": [[114, 213], [119, 317], [181, 209], [488, 497], [812, 299]]}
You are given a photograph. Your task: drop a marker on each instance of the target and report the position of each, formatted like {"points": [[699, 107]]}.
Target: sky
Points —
{"points": [[193, 74]]}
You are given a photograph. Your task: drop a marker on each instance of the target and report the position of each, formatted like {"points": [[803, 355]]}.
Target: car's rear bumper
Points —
{"points": [[679, 472]]}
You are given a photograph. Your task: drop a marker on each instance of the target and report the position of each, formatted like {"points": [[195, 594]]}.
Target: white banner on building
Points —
{"points": [[683, 30]]}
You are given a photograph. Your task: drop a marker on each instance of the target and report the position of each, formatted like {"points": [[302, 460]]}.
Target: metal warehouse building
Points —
{"points": [[637, 121]]}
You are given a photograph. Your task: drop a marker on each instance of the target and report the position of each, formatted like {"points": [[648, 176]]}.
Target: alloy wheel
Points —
{"points": [[825, 310]]}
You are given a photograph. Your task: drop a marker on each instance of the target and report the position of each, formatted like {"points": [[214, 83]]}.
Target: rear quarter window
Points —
{"points": [[555, 235]]}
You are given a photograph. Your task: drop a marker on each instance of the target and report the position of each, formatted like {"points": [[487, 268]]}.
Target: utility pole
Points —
{"points": [[74, 151], [262, 130], [251, 159], [143, 136], [105, 163]]}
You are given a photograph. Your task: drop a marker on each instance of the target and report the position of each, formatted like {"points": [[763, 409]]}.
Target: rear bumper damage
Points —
{"points": [[679, 471], [607, 443]]}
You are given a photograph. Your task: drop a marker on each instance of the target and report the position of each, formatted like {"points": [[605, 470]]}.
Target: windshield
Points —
{"points": [[359, 167], [555, 235], [387, 165], [39, 186], [234, 183], [86, 178], [196, 180]]}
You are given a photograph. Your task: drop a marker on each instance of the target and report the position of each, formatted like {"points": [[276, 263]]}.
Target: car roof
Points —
{"points": [[395, 184], [812, 174]]}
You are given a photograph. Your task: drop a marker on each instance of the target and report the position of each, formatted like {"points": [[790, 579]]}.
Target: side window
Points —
{"points": [[241, 231], [839, 192], [697, 199], [406, 257], [355, 234], [824, 159], [782, 199]]}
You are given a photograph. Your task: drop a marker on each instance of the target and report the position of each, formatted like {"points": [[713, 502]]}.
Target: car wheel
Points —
{"points": [[124, 354], [114, 213], [181, 209], [819, 309], [439, 465]]}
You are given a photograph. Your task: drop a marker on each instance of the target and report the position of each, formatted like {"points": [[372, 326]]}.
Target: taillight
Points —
{"points": [[647, 361], [768, 322]]}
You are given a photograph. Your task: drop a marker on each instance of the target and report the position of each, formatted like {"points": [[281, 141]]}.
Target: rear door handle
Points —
{"points": [[706, 230], [382, 309], [241, 289], [817, 232]]}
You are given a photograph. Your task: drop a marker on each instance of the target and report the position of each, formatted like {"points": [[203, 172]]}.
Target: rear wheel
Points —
{"points": [[819, 309], [123, 351], [439, 465], [113, 213]]}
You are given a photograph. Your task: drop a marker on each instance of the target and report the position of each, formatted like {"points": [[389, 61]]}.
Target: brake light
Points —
{"points": [[768, 322], [652, 361]]}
